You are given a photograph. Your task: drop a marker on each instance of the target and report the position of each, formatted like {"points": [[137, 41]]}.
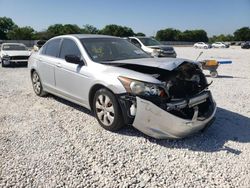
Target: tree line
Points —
{"points": [[10, 30]]}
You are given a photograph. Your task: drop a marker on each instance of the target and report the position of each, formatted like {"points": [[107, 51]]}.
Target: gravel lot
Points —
{"points": [[49, 142]]}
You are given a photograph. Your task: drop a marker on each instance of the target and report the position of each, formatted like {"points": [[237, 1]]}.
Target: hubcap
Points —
{"points": [[36, 83], [105, 110]]}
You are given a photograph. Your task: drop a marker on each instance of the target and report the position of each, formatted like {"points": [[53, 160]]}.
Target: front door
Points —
{"points": [[71, 79]]}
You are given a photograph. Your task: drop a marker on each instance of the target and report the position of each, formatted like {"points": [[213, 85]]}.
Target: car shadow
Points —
{"points": [[219, 76], [71, 104], [228, 126]]}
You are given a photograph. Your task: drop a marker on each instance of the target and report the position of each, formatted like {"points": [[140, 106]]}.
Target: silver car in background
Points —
{"points": [[153, 47], [123, 85]]}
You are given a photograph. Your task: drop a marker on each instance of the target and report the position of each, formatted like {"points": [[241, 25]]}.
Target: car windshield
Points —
{"points": [[16, 47], [149, 41], [111, 49]]}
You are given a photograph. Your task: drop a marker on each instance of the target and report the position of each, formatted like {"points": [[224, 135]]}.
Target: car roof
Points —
{"points": [[139, 37], [82, 36]]}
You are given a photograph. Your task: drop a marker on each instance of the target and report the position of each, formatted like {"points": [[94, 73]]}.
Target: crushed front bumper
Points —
{"points": [[158, 123]]}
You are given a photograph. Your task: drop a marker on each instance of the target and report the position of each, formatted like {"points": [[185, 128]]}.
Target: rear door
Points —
{"points": [[47, 61]]}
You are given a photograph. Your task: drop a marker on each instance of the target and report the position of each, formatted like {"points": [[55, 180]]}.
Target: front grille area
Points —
{"points": [[19, 57], [168, 48]]}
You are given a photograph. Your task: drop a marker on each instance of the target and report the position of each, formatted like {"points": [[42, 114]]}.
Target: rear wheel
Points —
{"points": [[37, 84], [107, 110]]}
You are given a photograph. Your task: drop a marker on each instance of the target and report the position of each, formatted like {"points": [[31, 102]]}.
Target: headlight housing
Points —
{"points": [[141, 88], [6, 57]]}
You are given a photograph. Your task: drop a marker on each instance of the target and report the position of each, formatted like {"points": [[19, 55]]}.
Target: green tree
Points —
{"points": [[117, 30], [221, 38], [140, 34], [41, 35], [6, 24], [55, 30], [242, 34], [71, 29], [193, 36], [89, 29], [21, 33], [60, 29], [168, 34]]}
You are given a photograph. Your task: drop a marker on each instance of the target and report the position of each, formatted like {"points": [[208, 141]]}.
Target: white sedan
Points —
{"points": [[201, 45], [14, 54], [220, 45]]}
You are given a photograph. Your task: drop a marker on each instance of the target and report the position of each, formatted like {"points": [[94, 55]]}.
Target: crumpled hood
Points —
{"points": [[17, 53], [162, 63]]}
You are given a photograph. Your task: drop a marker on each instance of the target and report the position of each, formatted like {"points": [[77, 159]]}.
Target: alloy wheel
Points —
{"points": [[105, 110], [36, 83]]}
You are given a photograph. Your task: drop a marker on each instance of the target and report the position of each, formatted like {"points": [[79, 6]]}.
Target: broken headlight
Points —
{"points": [[141, 88]]}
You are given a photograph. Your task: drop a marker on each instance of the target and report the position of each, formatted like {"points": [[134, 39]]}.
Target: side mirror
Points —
{"points": [[74, 59]]}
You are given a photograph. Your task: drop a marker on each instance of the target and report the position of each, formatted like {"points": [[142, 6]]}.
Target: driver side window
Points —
{"points": [[69, 47]]}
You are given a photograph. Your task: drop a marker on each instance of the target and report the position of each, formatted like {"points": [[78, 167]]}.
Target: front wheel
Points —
{"points": [[107, 110], [4, 64], [37, 84], [214, 74]]}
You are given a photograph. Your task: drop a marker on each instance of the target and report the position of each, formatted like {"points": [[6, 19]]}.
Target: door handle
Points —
{"points": [[58, 65]]}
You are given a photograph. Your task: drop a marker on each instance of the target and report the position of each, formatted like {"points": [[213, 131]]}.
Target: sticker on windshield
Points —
{"points": [[138, 52]]}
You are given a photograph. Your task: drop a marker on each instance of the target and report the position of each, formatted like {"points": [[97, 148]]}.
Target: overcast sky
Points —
{"points": [[147, 16]]}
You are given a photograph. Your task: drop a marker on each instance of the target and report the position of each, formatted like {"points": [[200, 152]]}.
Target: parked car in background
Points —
{"points": [[14, 54], [38, 45], [245, 45], [220, 45], [153, 47], [202, 45], [122, 84]]}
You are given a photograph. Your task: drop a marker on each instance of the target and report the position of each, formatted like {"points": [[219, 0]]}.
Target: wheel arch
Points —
{"points": [[31, 71], [93, 90]]}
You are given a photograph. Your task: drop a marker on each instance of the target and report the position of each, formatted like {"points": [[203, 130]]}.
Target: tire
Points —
{"points": [[37, 84], [214, 74], [107, 110], [3, 64]]}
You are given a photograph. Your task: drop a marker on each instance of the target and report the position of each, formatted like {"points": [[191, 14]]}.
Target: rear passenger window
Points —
{"points": [[52, 48], [69, 47]]}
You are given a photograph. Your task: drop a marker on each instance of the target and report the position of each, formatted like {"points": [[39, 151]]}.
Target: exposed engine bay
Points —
{"points": [[184, 81]]}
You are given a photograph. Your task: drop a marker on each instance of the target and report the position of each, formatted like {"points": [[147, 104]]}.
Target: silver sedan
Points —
{"points": [[122, 85]]}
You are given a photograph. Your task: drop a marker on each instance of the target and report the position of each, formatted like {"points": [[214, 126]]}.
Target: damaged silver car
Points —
{"points": [[122, 85]]}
